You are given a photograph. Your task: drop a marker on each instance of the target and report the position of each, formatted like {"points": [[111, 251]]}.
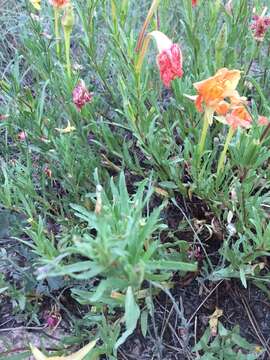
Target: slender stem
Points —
{"points": [[265, 133], [253, 57], [144, 48], [67, 52], [266, 68], [150, 14], [243, 205], [207, 119], [56, 30], [225, 149]]}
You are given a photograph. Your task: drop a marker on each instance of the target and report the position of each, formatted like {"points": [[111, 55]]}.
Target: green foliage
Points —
{"points": [[111, 244], [228, 344]]}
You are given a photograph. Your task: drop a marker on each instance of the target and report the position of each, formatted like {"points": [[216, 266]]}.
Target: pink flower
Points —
{"points": [[22, 135], [263, 121], [81, 95], [51, 319], [169, 59], [259, 26], [170, 64], [239, 117], [194, 2]]}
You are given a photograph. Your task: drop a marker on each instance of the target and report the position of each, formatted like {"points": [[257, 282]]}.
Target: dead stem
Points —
{"points": [[254, 324]]}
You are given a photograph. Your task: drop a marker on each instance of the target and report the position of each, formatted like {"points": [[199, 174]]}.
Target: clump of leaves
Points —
{"points": [[118, 251], [227, 345]]}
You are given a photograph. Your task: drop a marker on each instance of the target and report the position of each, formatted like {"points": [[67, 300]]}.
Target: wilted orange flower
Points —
{"points": [[59, 3], [213, 91], [239, 117]]}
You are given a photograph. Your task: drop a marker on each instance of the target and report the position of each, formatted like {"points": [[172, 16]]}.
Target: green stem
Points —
{"points": [[56, 30], [207, 119], [150, 14], [225, 149], [243, 205], [142, 53], [67, 52], [253, 57]]}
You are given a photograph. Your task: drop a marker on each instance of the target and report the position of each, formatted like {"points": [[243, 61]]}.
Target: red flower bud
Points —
{"points": [[170, 64], [81, 95]]}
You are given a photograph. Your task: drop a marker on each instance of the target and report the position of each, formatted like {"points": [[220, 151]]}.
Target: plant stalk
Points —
{"points": [[224, 151], [56, 30], [67, 52], [150, 14], [207, 120]]}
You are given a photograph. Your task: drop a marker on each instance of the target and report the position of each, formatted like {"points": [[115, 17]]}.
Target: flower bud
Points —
{"points": [[68, 19], [81, 95]]}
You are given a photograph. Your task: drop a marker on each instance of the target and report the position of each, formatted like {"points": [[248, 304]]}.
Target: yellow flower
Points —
{"points": [[79, 355], [36, 4], [67, 129]]}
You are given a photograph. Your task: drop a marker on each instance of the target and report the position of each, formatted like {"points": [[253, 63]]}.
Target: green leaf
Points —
{"points": [[4, 289], [132, 314], [168, 185], [243, 277], [144, 322], [240, 341], [171, 266]]}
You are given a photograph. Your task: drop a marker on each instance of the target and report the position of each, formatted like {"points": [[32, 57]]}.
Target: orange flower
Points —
{"points": [[236, 99], [59, 3], [213, 91], [222, 108], [239, 117]]}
